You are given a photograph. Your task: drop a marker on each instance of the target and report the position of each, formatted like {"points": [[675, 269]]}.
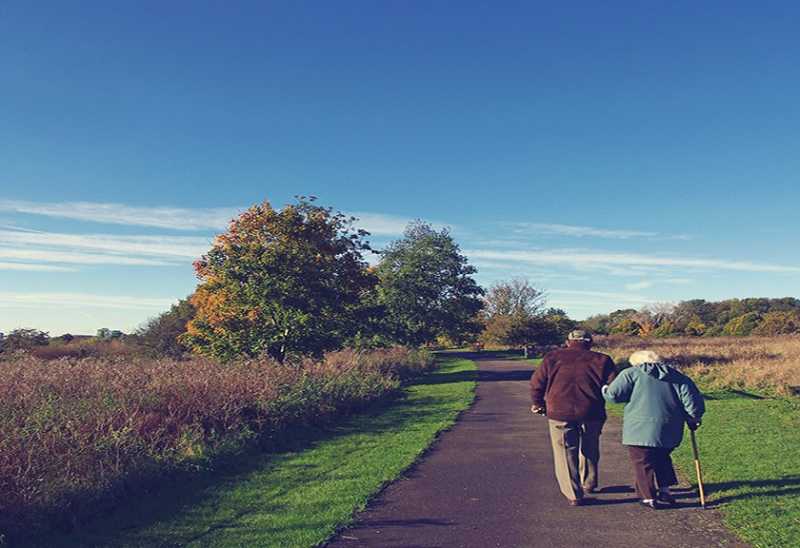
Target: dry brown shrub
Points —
{"points": [[743, 363], [75, 433]]}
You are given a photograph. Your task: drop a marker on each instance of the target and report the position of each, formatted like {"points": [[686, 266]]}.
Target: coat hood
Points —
{"points": [[661, 371]]}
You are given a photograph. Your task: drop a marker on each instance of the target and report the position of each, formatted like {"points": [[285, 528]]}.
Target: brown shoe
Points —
{"points": [[591, 489]]}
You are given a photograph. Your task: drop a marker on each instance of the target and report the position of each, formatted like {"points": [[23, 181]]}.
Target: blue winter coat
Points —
{"points": [[658, 399]]}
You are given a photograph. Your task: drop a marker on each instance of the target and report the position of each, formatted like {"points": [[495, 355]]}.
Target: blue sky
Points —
{"points": [[617, 155]]}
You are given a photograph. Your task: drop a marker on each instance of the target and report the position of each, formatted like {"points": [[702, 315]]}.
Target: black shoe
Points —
{"points": [[667, 498], [653, 505], [581, 501], [591, 489]]}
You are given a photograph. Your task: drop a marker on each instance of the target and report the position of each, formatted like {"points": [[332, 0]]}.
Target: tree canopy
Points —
{"points": [[280, 282], [426, 288]]}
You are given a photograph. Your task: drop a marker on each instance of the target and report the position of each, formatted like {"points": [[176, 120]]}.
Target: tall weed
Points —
{"points": [[75, 433]]}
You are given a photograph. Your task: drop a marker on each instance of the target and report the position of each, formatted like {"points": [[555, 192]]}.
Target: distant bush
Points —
{"points": [[78, 433], [742, 325], [626, 326], [778, 323], [86, 348], [732, 317], [24, 339], [159, 336]]}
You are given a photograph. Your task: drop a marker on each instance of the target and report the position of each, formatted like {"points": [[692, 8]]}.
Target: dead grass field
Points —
{"points": [[769, 364]]}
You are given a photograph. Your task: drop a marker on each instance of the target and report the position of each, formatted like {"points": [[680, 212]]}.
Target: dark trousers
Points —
{"points": [[652, 464]]}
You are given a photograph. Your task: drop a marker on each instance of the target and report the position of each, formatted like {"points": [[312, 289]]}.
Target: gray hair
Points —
{"points": [[644, 356]]}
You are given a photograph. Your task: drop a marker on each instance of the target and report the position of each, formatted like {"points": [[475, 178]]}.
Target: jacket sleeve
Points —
{"points": [[692, 399], [539, 383], [609, 371], [619, 391]]}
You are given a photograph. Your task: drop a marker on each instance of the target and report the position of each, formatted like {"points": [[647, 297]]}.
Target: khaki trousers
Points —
{"points": [[576, 455]]}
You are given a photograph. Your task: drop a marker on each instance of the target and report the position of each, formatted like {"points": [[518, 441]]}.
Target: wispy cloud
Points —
{"points": [[177, 218], [593, 301], [379, 224], [119, 214], [27, 267], [577, 231], [646, 284], [67, 257], [622, 297], [636, 286], [162, 246], [36, 300], [604, 260]]}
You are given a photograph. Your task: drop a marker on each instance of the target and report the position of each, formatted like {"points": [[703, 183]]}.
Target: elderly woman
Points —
{"points": [[658, 400]]}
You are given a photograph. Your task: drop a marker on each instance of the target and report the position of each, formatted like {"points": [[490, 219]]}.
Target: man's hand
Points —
{"points": [[536, 410], [693, 424]]}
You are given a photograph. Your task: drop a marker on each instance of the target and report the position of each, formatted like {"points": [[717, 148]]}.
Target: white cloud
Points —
{"points": [[605, 260], [37, 300], [581, 231], [166, 246], [50, 256], [378, 224], [381, 225], [644, 284], [34, 267], [178, 218], [119, 214], [604, 295]]}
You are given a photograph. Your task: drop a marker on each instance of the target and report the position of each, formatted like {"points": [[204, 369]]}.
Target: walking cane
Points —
{"points": [[697, 469]]}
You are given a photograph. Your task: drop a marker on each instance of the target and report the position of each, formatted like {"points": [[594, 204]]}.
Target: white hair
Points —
{"points": [[644, 356]]}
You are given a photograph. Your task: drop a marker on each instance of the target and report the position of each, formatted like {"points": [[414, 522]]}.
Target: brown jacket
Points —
{"points": [[568, 384]]}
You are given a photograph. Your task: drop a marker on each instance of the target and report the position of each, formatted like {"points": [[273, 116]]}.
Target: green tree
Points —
{"points": [[695, 327], [599, 324], [426, 288], [778, 323], [626, 326], [561, 322], [742, 325], [159, 336], [279, 282]]}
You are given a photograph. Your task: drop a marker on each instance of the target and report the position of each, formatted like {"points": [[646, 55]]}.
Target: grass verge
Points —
{"points": [[749, 454], [300, 496]]}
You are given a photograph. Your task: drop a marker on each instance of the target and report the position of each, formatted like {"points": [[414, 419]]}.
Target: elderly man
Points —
{"points": [[567, 387]]}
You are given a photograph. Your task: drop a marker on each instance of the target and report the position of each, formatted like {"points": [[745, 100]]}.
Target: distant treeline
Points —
{"points": [[698, 317]]}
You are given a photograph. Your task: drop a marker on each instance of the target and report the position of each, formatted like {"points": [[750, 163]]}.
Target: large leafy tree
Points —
{"points": [[280, 282], [426, 288]]}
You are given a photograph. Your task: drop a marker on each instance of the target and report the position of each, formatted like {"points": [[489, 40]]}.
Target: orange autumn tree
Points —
{"points": [[280, 282]]}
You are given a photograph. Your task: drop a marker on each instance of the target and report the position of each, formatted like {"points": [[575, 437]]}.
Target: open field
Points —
{"points": [[300, 495], [77, 435], [764, 364]]}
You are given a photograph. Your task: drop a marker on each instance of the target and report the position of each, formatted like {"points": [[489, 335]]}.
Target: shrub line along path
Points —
{"points": [[489, 482]]}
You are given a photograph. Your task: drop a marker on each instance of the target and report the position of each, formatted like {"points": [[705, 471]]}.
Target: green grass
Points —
{"points": [[300, 496], [750, 454]]}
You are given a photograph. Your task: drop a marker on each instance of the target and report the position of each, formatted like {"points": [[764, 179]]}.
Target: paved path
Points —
{"points": [[489, 482]]}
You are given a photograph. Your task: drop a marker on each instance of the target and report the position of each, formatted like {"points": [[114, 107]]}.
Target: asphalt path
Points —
{"points": [[489, 482]]}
